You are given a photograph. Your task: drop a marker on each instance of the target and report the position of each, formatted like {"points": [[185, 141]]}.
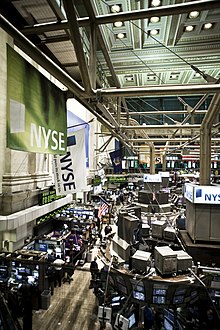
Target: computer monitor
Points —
{"points": [[132, 321], [167, 325], [43, 247], [159, 299], [138, 295], [116, 298], [21, 270]]}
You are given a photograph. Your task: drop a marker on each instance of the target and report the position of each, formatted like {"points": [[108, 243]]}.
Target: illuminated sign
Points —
{"points": [[152, 178], [48, 197], [202, 194], [117, 179]]}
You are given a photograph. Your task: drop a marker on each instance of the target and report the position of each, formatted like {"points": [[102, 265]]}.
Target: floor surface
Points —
{"points": [[72, 307]]}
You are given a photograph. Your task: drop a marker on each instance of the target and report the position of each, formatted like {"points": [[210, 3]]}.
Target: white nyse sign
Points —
{"points": [[70, 169]]}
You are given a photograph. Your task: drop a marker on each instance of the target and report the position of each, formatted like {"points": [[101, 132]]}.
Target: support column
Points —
{"points": [[152, 161], [205, 156], [205, 140]]}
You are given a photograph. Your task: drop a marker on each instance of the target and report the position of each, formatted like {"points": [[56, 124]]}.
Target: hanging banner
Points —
{"points": [[116, 158], [70, 169], [36, 109]]}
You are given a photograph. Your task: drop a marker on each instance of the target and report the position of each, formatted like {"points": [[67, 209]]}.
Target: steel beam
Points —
{"points": [[77, 43], [160, 90], [176, 9], [30, 49]]}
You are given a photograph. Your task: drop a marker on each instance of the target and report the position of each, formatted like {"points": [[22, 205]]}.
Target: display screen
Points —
{"points": [[3, 269], [21, 270], [169, 315], [116, 299], [42, 247], [167, 325], [178, 299], [131, 320], [159, 292], [159, 299], [138, 295]]}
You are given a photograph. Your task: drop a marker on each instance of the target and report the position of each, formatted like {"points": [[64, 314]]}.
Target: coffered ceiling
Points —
{"points": [[147, 69]]}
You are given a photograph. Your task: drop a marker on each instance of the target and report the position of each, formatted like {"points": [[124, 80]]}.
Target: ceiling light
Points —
{"points": [[207, 26], [197, 75], [151, 77], [129, 78], [154, 32], [189, 28], [120, 35], [154, 19], [155, 3], [115, 8], [194, 14], [118, 24]]}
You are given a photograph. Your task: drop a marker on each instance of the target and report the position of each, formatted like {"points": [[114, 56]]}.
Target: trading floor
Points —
{"points": [[73, 306]]}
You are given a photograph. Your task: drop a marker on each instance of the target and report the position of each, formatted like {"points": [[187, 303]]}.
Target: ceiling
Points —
{"points": [[152, 87]]}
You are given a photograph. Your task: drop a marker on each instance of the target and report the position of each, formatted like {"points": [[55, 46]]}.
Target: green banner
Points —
{"points": [[36, 109]]}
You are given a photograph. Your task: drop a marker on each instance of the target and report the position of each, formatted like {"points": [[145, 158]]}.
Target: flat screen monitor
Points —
{"points": [[116, 299], [3, 269], [131, 320], [178, 299], [21, 270], [138, 295], [167, 325], [169, 315], [159, 299], [159, 292], [42, 247]]}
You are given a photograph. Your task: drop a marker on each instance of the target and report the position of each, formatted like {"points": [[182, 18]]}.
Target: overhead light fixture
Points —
{"points": [[155, 3], [194, 14], [197, 75], [120, 35], [174, 75], [207, 26], [151, 77], [118, 24], [115, 8], [189, 28], [129, 78], [154, 32], [154, 19]]}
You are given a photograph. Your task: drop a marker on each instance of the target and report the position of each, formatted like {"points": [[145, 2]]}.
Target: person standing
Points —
{"points": [[51, 278], [26, 290], [94, 269], [58, 263]]}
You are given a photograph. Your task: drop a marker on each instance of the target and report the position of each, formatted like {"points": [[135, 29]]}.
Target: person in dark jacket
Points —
{"points": [[51, 278], [94, 269]]}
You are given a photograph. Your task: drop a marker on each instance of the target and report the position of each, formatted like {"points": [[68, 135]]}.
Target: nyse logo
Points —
{"points": [[207, 197], [212, 198], [198, 193]]}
